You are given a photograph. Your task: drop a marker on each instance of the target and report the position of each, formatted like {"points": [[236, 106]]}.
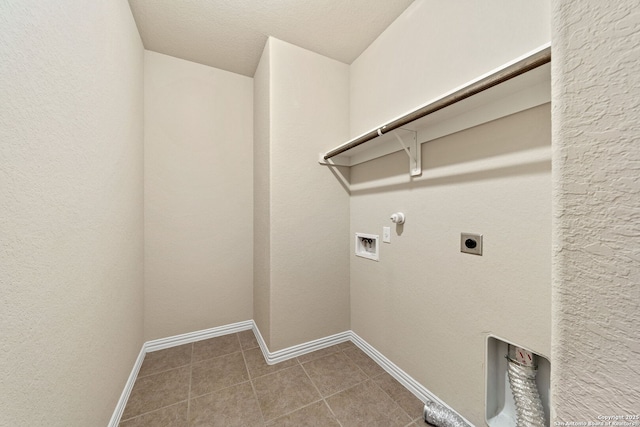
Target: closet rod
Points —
{"points": [[534, 61]]}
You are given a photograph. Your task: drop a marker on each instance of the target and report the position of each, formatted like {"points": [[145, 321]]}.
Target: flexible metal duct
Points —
{"points": [[440, 416], [522, 380]]}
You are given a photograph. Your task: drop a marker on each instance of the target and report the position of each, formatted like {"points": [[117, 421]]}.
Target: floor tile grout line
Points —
{"points": [[163, 371], [290, 412], [161, 407], [374, 382], [223, 389], [338, 349], [392, 399], [321, 395], [345, 389], [358, 365], [325, 400], [295, 410], [253, 335], [349, 388], [215, 357], [312, 382], [273, 373], [332, 413], [253, 388], [321, 357], [418, 420], [190, 382], [153, 410], [167, 369], [270, 373]]}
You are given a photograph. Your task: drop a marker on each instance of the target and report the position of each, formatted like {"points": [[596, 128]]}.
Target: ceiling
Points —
{"points": [[231, 34]]}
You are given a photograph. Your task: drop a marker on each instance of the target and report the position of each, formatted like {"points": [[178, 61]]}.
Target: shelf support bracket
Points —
{"points": [[414, 151]]}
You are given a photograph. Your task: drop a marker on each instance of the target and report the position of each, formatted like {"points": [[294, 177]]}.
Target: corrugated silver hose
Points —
{"points": [[522, 380], [440, 416]]}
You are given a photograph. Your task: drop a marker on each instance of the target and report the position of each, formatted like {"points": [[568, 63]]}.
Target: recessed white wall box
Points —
{"points": [[500, 404], [367, 246]]}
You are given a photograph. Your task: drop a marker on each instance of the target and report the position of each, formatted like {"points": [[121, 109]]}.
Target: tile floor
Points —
{"points": [[225, 381]]}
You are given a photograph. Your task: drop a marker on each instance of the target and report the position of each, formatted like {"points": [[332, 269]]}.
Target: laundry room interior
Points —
{"points": [[437, 185]]}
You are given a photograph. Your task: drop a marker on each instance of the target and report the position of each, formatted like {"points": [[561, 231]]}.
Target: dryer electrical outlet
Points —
{"points": [[471, 243]]}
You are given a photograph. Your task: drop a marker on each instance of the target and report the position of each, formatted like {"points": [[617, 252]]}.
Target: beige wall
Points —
{"points": [[198, 196], [262, 197], [596, 195], [425, 305], [71, 213], [309, 209]]}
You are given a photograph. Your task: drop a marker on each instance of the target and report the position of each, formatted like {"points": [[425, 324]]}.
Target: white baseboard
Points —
{"points": [[298, 350], [122, 402], [168, 342], [418, 390], [204, 334], [272, 358], [391, 368]]}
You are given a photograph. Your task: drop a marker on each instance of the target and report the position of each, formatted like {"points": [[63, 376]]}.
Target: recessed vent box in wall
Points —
{"points": [[367, 246], [500, 404]]}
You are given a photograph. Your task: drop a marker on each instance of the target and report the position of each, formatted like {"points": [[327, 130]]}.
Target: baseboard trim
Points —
{"points": [[204, 334], [272, 358], [418, 390], [298, 350], [122, 402], [161, 344], [391, 368]]}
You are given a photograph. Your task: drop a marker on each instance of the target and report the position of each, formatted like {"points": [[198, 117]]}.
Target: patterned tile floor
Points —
{"points": [[225, 381]]}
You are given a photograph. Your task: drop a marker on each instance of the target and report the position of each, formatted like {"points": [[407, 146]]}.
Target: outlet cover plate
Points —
{"points": [[471, 243], [386, 234]]}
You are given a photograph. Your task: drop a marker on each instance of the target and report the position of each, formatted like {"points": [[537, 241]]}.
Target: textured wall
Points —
{"points": [[309, 208], [71, 213], [596, 194], [262, 197], [198, 196], [425, 305]]}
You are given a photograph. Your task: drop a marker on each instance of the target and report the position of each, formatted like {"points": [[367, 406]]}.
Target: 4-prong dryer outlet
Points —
{"points": [[471, 243]]}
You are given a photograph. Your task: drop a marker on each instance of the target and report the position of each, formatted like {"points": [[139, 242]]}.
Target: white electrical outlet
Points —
{"points": [[386, 234]]}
